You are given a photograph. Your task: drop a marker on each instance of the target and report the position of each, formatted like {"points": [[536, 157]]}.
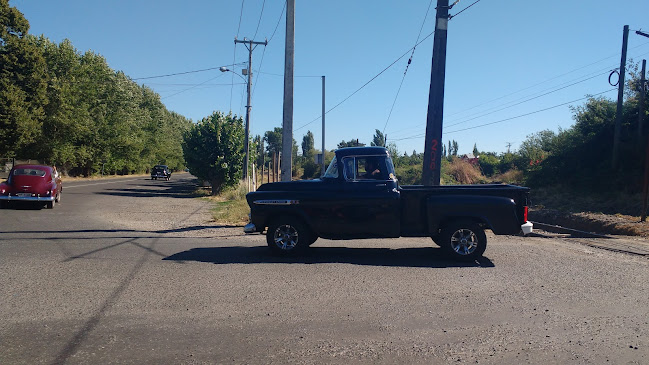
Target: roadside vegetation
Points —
{"points": [[69, 109]]}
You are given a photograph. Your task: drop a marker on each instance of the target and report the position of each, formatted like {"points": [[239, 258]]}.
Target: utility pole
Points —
{"points": [[434, 120], [287, 121], [323, 128], [645, 185], [641, 101], [620, 98], [250, 45]]}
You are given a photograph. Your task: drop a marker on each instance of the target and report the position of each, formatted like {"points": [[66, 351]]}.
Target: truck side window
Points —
{"points": [[349, 166]]}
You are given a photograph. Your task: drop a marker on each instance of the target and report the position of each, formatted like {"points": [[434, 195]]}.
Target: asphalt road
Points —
{"points": [[131, 271]]}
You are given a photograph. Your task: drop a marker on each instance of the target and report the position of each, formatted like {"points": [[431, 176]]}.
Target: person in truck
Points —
{"points": [[372, 170]]}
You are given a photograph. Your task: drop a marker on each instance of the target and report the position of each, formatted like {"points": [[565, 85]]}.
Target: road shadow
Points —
{"points": [[158, 188], [430, 257]]}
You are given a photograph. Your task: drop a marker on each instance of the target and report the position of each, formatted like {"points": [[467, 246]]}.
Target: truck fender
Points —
{"points": [[494, 212]]}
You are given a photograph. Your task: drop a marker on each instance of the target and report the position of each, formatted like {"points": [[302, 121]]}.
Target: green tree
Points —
{"points": [[475, 150], [308, 149], [214, 150], [23, 84], [350, 143], [378, 139]]}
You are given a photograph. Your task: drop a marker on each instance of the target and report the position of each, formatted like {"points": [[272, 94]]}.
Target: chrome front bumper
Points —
{"points": [[27, 198], [249, 228]]}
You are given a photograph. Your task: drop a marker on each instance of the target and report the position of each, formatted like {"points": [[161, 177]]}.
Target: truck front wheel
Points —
{"points": [[463, 240], [289, 235]]}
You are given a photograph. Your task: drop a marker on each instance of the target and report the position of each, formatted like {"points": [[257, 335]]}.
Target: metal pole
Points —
{"points": [[322, 170], [287, 121], [620, 98], [435, 118]]}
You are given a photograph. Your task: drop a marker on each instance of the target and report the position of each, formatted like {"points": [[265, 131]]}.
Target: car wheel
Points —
{"points": [[463, 240], [58, 198], [50, 205], [288, 235]]}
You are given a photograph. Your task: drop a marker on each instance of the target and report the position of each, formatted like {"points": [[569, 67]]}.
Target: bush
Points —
{"points": [[464, 172]]}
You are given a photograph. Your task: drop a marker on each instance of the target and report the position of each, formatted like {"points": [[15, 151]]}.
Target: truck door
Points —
{"points": [[368, 203]]}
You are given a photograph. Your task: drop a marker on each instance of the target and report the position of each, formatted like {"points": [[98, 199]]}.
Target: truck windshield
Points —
{"points": [[332, 170]]}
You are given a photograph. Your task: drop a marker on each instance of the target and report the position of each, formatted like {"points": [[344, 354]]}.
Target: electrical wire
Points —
{"points": [[408, 65], [463, 10], [234, 53], [184, 73], [511, 118], [368, 82], [193, 87], [259, 22], [281, 15]]}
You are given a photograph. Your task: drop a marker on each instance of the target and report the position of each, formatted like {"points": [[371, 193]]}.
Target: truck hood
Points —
{"points": [[298, 185]]}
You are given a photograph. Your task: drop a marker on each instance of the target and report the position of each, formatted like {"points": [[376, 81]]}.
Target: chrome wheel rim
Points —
{"points": [[464, 242], [286, 237]]}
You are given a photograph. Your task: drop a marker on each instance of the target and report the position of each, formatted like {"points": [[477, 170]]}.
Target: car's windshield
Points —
{"points": [[332, 170]]}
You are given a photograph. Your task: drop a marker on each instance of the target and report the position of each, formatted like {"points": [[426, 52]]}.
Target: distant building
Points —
{"points": [[470, 158]]}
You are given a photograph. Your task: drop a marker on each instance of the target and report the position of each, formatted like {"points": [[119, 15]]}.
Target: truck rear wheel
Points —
{"points": [[463, 240], [288, 235]]}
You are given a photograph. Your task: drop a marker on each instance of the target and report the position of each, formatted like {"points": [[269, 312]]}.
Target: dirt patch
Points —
{"points": [[617, 224]]}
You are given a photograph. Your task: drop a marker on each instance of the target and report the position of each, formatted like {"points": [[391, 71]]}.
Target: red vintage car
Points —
{"points": [[31, 183]]}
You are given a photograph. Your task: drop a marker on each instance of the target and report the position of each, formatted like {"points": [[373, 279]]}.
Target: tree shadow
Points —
{"points": [[430, 257], [159, 188]]}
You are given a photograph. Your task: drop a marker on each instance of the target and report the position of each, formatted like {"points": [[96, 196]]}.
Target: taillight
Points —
{"points": [[525, 209]]}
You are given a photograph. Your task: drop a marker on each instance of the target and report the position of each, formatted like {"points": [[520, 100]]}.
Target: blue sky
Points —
{"points": [[507, 60]]}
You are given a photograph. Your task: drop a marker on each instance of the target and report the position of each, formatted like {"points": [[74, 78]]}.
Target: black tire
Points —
{"points": [[463, 240], [50, 205], [287, 236], [58, 197]]}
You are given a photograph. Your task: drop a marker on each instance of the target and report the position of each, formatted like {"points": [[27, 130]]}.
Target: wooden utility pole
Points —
{"points": [[620, 98], [645, 185], [250, 45], [323, 128], [287, 121], [434, 120]]}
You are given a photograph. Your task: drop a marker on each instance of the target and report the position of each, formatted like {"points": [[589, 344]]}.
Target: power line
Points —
{"points": [[260, 16], [367, 83], [534, 112], [195, 86], [408, 65], [511, 118], [463, 10], [523, 99], [526, 100], [261, 62], [234, 52], [183, 73]]}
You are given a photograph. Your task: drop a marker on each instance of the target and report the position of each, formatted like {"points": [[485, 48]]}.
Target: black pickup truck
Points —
{"points": [[359, 197]]}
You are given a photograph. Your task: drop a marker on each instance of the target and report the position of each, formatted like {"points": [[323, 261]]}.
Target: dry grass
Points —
{"points": [[510, 177], [464, 173], [231, 206]]}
